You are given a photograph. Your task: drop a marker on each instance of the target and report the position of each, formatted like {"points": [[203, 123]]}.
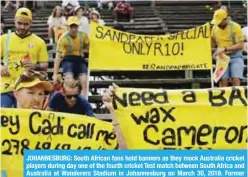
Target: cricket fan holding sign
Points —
{"points": [[227, 36], [20, 50]]}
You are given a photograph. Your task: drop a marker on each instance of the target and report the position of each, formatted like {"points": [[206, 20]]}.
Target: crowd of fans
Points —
{"points": [[57, 20], [69, 30]]}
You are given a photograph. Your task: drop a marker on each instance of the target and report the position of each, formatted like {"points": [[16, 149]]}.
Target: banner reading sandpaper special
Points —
{"points": [[190, 47]]}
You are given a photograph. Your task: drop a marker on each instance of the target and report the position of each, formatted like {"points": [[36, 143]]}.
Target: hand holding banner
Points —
{"points": [[7, 82]]}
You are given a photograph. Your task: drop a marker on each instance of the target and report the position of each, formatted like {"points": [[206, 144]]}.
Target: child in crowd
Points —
{"points": [[56, 23], [84, 22], [96, 17]]}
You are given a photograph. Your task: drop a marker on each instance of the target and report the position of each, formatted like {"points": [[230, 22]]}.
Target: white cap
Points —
{"points": [[95, 12]]}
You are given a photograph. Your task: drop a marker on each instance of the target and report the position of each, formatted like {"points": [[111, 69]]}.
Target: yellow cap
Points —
{"points": [[44, 84], [73, 20], [24, 13], [219, 16]]}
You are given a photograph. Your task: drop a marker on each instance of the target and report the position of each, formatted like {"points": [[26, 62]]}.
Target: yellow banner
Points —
{"points": [[182, 119], [116, 50], [15, 69], [31, 129]]}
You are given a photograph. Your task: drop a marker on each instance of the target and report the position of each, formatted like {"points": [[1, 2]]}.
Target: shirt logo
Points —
{"points": [[30, 45]]}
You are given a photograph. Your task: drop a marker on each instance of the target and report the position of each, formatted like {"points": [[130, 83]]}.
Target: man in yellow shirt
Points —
{"points": [[227, 36], [20, 50], [71, 47]]}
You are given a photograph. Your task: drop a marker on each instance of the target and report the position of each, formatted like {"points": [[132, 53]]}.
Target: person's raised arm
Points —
{"points": [[107, 100]]}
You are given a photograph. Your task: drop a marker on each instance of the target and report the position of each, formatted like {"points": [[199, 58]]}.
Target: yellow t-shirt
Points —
{"points": [[31, 48], [69, 46], [223, 36]]}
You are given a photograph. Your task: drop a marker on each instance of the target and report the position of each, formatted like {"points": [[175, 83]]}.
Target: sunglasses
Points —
{"points": [[72, 96], [30, 75]]}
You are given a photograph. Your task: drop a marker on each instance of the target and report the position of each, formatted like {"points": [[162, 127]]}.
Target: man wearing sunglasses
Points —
{"points": [[20, 50], [30, 89], [70, 100], [227, 36]]}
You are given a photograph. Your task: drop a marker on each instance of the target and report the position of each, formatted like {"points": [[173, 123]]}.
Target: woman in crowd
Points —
{"points": [[30, 89], [84, 22], [56, 24], [96, 17]]}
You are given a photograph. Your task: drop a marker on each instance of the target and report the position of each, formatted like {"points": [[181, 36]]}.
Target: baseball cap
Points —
{"points": [[23, 13], [219, 16], [44, 84], [73, 20]]}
